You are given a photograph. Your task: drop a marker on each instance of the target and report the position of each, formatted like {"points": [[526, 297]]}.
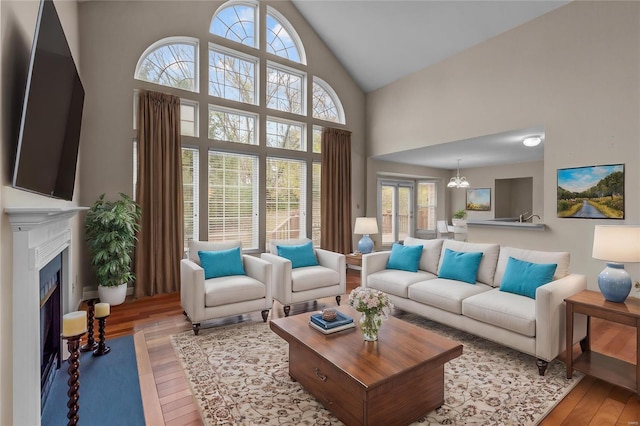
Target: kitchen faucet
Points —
{"points": [[526, 219]]}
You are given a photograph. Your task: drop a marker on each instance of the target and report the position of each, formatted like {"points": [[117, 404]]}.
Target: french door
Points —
{"points": [[395, 210]]}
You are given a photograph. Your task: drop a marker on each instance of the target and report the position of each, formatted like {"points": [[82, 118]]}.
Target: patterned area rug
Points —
{"points": [[239, 376]]}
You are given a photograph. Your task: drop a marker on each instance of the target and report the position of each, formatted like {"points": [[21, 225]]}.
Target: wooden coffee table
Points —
{"points": [[393, 381]]}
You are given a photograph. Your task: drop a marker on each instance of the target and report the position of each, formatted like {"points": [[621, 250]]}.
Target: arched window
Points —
{"points": [[170, 62], [236, 21], [282, 40], [326, 105]]}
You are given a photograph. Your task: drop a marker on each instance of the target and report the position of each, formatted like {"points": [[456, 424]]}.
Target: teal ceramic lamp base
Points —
{"points": [[365, 245], [614, 282]]}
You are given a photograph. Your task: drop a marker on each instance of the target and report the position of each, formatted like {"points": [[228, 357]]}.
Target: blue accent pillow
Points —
{"points": [[299, 255], [460, 266], [221, 263], [524, 278], [404, 258]]}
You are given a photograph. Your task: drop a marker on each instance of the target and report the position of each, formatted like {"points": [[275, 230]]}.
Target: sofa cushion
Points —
{"points": [[404, 258], [221, 263], [445, 294], [430, 252], [524, 278], [300, 255], [234, 289], [487, 268], [559, 258], [505, 310], [461, 266], [395, 282], [310, 277]]}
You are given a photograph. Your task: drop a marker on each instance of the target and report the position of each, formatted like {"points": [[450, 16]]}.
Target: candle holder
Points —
{"points": [[73, 344], [102, 349], [91, 344]]}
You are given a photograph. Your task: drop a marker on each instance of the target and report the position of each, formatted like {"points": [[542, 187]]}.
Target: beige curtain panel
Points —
{"points": [[335, 186], [159, 193]]}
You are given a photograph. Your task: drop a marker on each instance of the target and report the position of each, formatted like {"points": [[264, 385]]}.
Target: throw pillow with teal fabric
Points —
{"points": [[221, 263], [460, 266], [299, 255], [404, 258], [523, 278]]}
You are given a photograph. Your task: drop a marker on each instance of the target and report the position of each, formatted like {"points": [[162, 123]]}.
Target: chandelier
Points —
{"points": [[458, 181]]}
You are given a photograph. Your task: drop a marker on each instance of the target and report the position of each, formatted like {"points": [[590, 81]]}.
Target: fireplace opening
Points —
{"points": [[50, 323]]}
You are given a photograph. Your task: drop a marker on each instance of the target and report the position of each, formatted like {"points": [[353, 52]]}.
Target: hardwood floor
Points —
{"points": [[168, 401]]}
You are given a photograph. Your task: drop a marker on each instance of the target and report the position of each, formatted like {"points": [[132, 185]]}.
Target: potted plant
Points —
{"points": [[458, 218], [111, 228]]}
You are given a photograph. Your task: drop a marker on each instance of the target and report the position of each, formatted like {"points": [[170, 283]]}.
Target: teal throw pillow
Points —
{"points": [[404, 258], [221, 263], [299, 255], [524, 278], [460, 266]]}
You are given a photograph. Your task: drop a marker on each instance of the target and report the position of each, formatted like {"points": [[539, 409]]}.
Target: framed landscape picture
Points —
{"points": [[479, 199], [593, 192]]}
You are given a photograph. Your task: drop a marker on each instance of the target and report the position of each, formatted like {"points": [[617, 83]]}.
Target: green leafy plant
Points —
{"points": [[111, 228], [460, 214]]}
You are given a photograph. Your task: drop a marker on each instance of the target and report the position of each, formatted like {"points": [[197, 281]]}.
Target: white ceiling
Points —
{"points": [[381, 41]]}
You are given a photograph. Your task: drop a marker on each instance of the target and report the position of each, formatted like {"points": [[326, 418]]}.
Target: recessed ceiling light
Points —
{"points": [[534, 141]]}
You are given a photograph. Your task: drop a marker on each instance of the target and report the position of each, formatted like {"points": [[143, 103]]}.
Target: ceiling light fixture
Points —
{"points": [[533, 141], [458, 181]]}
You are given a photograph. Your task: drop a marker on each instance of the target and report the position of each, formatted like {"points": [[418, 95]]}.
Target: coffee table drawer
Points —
{"points": [[337, 391]]}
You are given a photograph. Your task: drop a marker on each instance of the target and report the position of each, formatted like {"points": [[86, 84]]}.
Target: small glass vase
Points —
{"points": [[370, 323]]}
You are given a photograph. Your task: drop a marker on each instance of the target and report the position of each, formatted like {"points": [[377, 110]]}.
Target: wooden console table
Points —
{"points": [[609, 369], [354, 260]]}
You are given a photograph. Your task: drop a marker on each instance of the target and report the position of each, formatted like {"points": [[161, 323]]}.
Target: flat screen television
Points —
{"points": [[47, 150]]}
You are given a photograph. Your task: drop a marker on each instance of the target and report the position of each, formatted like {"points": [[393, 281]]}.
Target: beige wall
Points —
{"points": [[574, 70], [114, 36], [18, 20]]}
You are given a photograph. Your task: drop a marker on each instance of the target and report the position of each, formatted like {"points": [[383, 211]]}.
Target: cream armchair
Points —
{"points": [[296, 285], [204, 299]]}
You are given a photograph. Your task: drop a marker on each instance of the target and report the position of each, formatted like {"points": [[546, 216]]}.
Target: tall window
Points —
{"points": [[251, 125], [286, 199], [426, 203], [233, 198]]}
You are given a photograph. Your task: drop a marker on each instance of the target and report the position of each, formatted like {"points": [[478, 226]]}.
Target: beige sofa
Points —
{"points": [[533, 326]]}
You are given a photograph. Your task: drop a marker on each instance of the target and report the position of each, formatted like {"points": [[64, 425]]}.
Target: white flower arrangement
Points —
{"points": [[370, 301]]}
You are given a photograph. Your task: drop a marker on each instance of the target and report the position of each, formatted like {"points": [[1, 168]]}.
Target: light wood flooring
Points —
{"points": [[167, 398]]}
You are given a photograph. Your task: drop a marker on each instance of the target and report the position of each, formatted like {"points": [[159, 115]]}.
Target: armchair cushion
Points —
{"points": [[300, 255], [404, 258], [524, 278], [312, 277], [221, 263], [232, 289]]}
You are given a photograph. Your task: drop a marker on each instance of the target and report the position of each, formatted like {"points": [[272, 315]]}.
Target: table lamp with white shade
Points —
{"points": [[616, 244], [365, 226]]}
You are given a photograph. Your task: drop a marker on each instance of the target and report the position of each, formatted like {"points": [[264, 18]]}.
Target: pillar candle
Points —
{"points": [[74, 323], [102, 310]]}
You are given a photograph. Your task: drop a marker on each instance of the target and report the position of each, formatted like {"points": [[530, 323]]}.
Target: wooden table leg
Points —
{"points": [[569, 336], [638, 358]]}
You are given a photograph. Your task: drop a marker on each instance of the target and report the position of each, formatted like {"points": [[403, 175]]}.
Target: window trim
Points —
{"points": [[334, 97], [303, 87], [242, 56], [295, 37], [227, 110], [256, 20], [166, 42]]}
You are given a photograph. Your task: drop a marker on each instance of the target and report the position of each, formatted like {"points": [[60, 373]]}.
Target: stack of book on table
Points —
{"points": [[341, 322]]}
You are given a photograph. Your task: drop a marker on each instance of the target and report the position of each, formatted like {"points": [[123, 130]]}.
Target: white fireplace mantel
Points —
{"points": [[39, 235]]}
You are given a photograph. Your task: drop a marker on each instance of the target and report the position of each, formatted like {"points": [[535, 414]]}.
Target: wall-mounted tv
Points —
{"points": [[49, 136]]}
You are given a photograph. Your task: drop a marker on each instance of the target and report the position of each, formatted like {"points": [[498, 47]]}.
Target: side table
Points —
{"points": [[354, 259], [609, 369]]}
